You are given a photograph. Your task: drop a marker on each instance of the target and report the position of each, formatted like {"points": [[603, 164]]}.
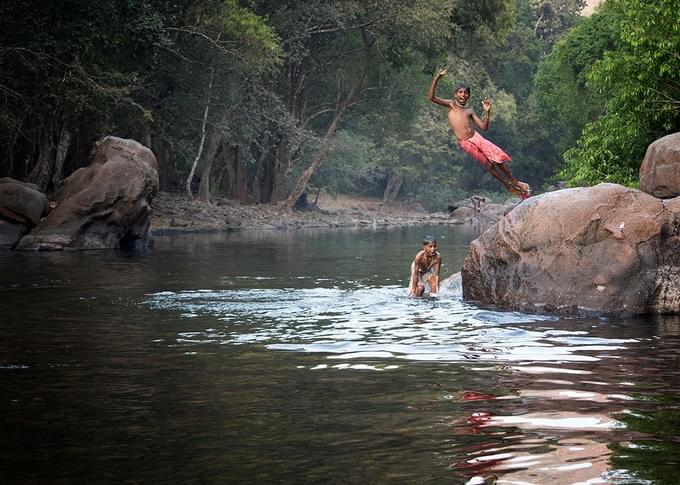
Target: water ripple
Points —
{"points": [[377, 323]]}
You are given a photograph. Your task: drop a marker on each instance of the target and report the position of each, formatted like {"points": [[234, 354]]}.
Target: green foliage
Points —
{"points": [[517, 56], [484, 15], [237, 33], [640, 81], [277, 76], [352, 166], [563, 101], [66, 66]]}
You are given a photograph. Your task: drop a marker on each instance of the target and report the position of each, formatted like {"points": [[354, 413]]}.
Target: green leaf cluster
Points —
{"points": [[638, 80]]}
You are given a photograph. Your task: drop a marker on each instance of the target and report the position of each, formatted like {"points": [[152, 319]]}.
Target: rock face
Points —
{"points": [[103, 206], [22, 206], [597, 250], [478, 209], [660, 170]]}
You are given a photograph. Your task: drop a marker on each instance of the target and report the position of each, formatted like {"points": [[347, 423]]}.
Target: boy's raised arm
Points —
{"points": [[483, 123], [433, 87]]}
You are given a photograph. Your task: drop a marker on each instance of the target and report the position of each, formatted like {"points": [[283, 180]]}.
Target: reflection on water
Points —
{"points": [[296, 358]]}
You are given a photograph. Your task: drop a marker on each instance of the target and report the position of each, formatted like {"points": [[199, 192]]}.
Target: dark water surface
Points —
{"points": [[295, 357]]}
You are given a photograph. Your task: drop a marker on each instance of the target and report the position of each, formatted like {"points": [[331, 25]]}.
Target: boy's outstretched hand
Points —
{"points": [[442, 73], [486, 104]]}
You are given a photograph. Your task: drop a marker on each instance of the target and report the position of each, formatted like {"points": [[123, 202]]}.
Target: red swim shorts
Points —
{"points": [[483, 150]]}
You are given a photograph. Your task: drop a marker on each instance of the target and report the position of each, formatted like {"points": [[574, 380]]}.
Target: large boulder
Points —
{"points": [[103, 206], [11, 233], [660, 170], [22, 205], [597, 250]]}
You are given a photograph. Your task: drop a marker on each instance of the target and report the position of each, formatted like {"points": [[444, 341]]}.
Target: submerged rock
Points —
{"points": [[597, 250], [103, 206]]}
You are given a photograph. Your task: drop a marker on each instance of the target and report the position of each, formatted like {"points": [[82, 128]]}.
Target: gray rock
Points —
{"points": [[103, 206], [11, 233], [21, 203], [660, 170], [597, 250]]}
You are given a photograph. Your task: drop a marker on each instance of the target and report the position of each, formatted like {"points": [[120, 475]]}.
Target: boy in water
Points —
{"points": [[425, 269], [489, 155]]}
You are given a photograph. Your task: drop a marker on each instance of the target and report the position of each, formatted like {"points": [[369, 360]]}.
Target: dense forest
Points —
{"points": [[260, 101]]}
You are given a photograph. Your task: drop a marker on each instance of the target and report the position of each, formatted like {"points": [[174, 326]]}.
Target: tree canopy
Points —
{"points": [[257, 100], [638, 81]]}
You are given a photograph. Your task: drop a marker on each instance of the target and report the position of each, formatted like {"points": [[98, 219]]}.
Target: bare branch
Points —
{"points": [[337, 28], [220, 45]]}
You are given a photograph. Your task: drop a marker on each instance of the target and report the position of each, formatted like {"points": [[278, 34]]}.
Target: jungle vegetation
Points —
{"points": [[260, 101]]}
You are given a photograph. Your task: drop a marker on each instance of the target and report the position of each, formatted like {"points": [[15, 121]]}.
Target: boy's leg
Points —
{"points": [[524, 187], [513, 189], [433, 281]]}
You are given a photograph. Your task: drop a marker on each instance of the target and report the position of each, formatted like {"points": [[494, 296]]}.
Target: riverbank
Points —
{"points": [[174, 213]]}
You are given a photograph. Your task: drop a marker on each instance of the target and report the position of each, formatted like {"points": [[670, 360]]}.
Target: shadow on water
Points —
{"points": [[295, 357]]}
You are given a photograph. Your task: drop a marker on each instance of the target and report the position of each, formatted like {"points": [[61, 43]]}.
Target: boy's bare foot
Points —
{"points": [[515, 191]]}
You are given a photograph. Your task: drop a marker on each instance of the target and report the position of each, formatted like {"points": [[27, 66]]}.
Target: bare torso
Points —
{"points": [[461, 119], [424, 261]]}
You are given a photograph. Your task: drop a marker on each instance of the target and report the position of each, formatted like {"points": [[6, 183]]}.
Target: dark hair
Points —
{"points": [[428, 240], [463, 86]]}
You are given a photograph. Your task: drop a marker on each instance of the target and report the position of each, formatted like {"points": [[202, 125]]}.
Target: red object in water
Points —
{"points": [[476, 396], [480, 418]]}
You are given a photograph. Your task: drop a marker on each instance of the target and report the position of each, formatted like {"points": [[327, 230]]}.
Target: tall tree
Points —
{"points": [[640, 82], [554, 18], [336, 53], [66, 68]]}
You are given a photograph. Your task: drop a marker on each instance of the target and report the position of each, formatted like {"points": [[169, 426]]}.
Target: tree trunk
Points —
{"points": [[260, 170], [11, 150], [214, 144], [281, 166], [283, 161], [204, 181], [219, 181], [206, 169], [164, 166], [62, 150], [393, 186], [340, 110], [190, 177], [267, 184], [229, 165], [321, 153], [241, 180], [42, 171]]}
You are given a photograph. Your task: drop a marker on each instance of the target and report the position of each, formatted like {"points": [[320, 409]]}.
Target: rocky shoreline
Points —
{"points": [[175, 213], [114, 203]]}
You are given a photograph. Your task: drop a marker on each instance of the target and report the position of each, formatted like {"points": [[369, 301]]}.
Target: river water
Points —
{"points": [[295, 357]]}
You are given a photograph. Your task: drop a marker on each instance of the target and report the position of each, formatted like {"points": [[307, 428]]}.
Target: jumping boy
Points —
{"points": [[489, 155], [425, 269]]}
